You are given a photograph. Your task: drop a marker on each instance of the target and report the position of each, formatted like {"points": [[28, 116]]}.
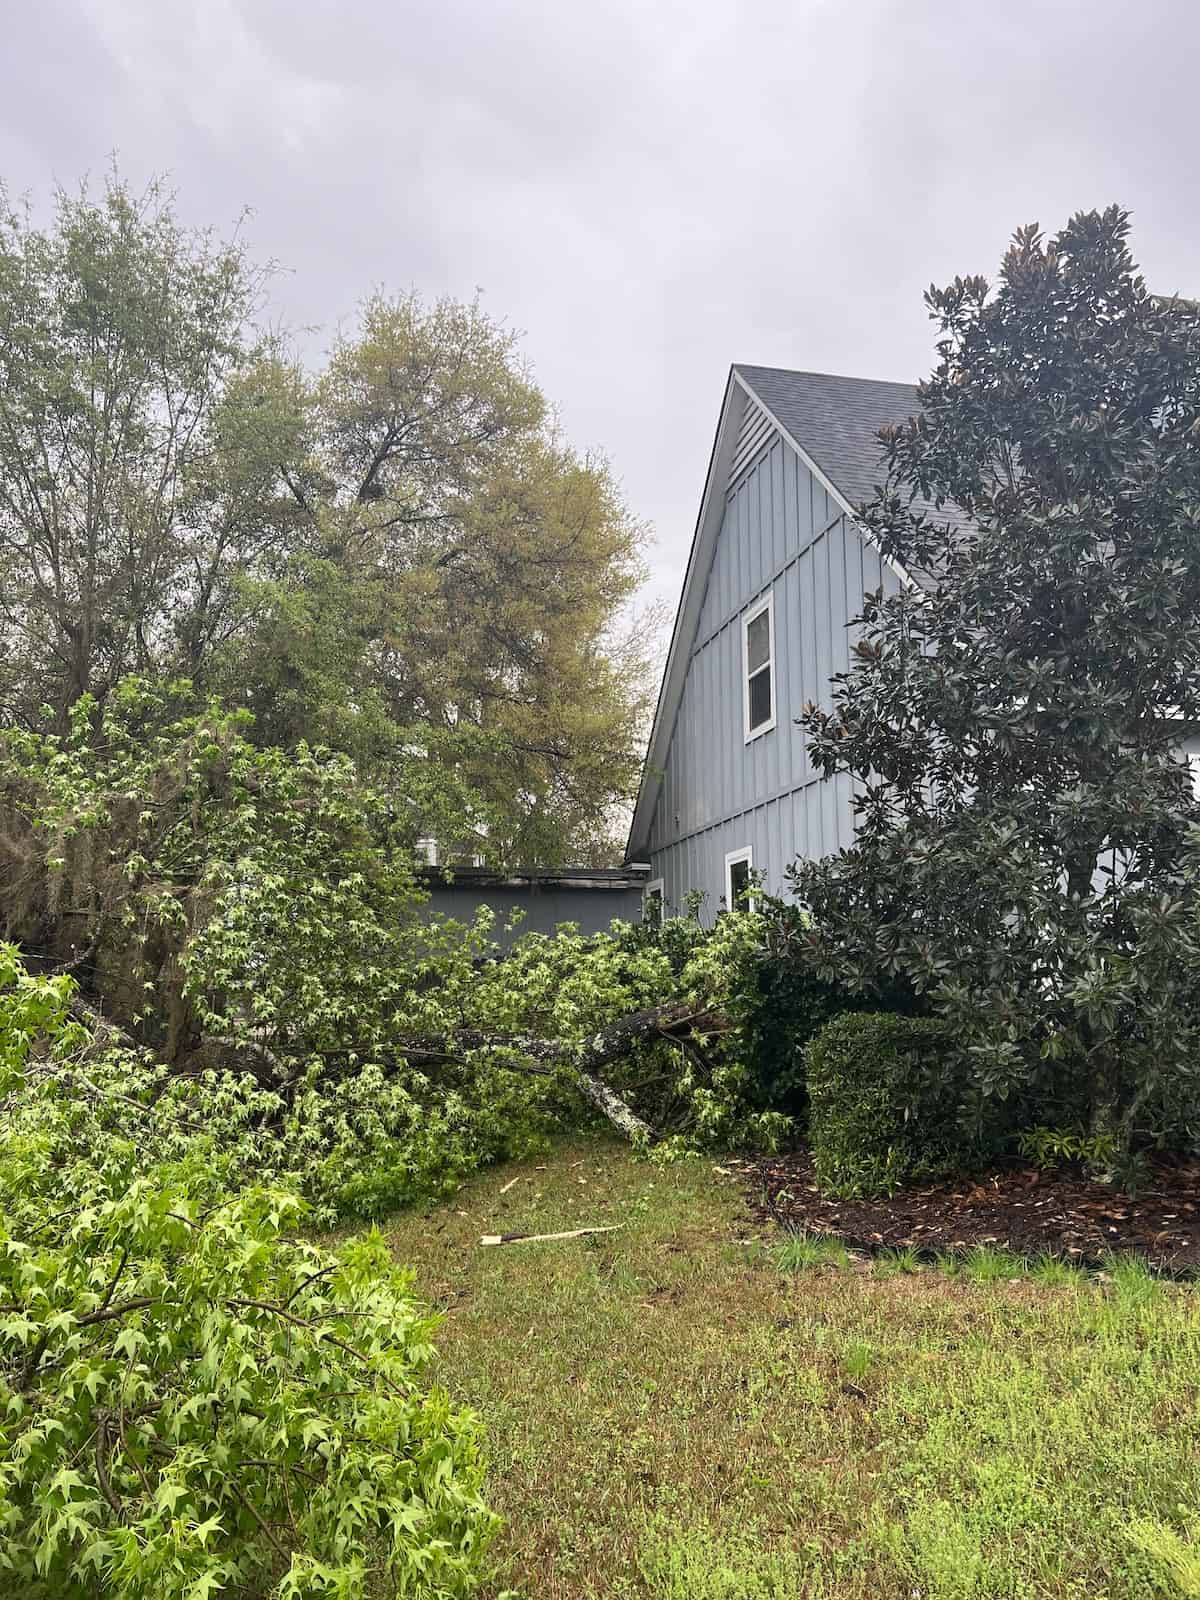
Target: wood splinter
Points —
{"points": [[537, 1238]]}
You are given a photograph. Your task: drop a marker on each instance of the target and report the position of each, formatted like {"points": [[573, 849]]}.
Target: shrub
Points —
{"points": [[194, 1404], [780, 1004], [1049, 1147], [889, 1102], [192, 1401]]}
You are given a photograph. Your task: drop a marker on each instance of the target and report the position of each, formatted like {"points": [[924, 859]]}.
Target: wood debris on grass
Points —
{"points": [[541, 1238]]}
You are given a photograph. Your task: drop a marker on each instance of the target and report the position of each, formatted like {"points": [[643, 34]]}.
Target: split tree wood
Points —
{"points": [[541, 1238]]}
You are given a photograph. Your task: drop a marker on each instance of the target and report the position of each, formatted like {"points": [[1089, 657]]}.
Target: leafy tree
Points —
{"points": [[122, 341], [192, 1401], [249, 924], [467, 583], [397, 551], [1013, 717]]}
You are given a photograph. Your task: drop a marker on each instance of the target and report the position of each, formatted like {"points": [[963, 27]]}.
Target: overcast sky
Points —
{"points": [[648, 190]]}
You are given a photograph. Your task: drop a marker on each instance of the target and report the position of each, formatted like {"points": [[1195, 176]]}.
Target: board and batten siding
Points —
{"points": [[781, 533]]}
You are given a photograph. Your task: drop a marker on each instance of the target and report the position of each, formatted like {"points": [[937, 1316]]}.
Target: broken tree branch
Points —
{"points": [[542, 1238], [578, 1063]]}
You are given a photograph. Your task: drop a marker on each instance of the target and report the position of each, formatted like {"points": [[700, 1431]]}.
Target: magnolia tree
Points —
{"points": [[1014, 716]]}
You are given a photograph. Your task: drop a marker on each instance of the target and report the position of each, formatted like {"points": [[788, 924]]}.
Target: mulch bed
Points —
{"points": [[1013, 1208]]}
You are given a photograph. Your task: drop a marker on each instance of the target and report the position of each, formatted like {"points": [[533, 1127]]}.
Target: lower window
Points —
{"points": [[652, 903], [739, 880]]}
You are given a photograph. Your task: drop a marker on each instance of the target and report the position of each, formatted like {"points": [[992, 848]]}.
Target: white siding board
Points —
{"points": [[838, 612], [808, 647], [741, 566]]}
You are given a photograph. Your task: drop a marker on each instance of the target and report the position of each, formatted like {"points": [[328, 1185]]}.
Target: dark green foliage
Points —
{"points": [[1050, 1147], [888, 1101], [782, 1006], [779, 1003], [1013, 719]]}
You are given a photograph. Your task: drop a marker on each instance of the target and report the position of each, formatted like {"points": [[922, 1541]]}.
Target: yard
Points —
{"points": [[695, 1408]]}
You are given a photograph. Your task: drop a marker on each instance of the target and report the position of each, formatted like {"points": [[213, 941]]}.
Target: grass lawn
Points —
{"points": [[675, 1411]]}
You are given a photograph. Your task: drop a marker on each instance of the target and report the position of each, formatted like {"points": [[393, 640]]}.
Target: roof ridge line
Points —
{"points": [[838, 377]]}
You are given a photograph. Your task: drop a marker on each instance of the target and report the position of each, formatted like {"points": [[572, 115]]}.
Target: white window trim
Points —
{"points": [[648, 889], [746, 854], [766, 604]]}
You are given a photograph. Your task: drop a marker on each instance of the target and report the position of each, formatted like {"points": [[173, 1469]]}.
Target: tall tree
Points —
{"points": [[473, 581], [397, 551], [1014, 716], [122, 337]]}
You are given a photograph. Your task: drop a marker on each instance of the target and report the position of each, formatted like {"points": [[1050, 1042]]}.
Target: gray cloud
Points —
{"points": [[649, 191]]}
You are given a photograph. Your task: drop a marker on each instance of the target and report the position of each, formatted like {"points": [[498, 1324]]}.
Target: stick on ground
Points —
{"points": [[538, 1238]]}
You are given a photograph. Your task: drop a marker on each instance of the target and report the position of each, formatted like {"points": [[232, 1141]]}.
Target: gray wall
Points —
{"points": [[781, 532], [544, 907]]}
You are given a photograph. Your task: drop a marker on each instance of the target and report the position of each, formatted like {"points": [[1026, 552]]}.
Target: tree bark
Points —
{"points": [[579, 1064], [621, 1115]]}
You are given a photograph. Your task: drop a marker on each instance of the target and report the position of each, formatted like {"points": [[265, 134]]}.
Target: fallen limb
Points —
{"points": [[541, 1238], [619, 1113], [578, 1063]]}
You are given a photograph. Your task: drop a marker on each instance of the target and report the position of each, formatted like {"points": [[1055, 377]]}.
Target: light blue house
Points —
{"points": [[778, 569]]}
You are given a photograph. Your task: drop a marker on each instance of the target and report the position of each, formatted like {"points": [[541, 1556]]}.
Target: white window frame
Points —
{"points": [[746, 854], [659, 885], [767, 604]]}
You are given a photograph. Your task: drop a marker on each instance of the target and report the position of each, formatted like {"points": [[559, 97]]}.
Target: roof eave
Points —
{"points": [[826, 482]]}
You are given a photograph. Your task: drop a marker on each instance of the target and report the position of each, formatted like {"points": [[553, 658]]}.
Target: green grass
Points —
{"points": [[802, 1251], [675, 1409]]}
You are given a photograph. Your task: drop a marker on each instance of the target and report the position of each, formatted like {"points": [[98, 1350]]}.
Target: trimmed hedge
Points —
{"points": [[888, 1102], [780, 1007], [781, 1004]]}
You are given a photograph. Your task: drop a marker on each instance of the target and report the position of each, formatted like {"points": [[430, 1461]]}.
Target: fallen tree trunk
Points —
{"points": [[580, 1064]]}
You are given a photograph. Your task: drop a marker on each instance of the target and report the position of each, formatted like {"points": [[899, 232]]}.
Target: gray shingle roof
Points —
{"points": [[836, 420]]}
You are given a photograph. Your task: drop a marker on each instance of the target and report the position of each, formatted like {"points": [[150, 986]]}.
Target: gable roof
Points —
{"points": [[833, 424], [835, 420]]}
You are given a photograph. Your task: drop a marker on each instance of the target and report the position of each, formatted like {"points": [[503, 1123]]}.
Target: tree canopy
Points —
{"points": [[396, 552], [1014, 717]]}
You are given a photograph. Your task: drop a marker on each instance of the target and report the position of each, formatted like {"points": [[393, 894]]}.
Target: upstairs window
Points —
{"points": [[758, 663]]}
